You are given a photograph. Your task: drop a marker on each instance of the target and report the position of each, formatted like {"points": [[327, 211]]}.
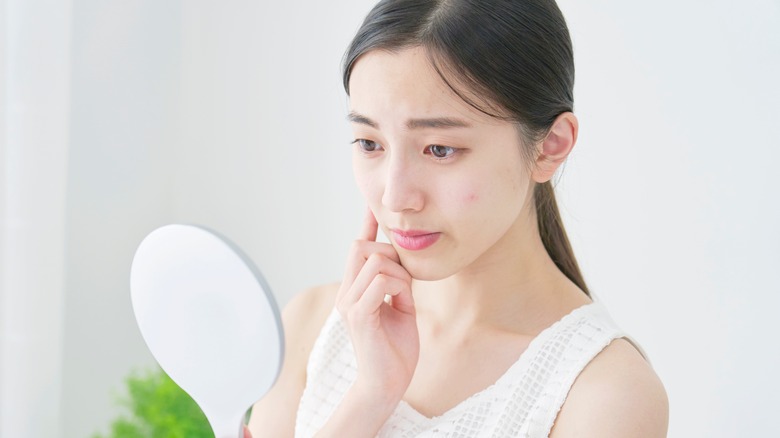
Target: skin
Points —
{"points": [[463, 310]]}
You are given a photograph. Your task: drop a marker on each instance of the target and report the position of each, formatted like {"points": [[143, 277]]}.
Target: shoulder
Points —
{"points": [[313, 301], [617, 395], [307, 311], [303, 318]]}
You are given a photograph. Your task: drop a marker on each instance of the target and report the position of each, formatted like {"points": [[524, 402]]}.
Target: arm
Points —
{"points": [[303, 317], [618, 395], [375, 300], [383, 333]]}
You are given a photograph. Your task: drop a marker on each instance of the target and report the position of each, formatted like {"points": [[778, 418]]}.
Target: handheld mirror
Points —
{"points": [[210, 320]]}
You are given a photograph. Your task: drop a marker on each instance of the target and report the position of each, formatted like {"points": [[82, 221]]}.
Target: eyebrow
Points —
{"points": [[436, 122]]}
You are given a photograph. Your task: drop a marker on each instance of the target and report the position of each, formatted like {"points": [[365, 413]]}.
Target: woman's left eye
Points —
{"points": [[439, 151]]}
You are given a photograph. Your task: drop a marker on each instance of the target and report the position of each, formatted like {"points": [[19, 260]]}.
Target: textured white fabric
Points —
{"points": [[523, 402]]}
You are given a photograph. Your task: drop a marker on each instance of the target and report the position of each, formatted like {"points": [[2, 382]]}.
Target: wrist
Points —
{"points": [[379, 398], [360, 414]]}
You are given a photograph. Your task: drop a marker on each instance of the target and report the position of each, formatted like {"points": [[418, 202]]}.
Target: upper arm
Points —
{"points": [[303, 317], [617, 395]]}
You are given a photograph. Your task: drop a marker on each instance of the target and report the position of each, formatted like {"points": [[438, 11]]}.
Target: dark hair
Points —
{"points": [[515, 59]]}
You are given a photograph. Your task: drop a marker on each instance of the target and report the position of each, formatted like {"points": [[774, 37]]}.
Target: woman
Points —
{"points": [[475, 319]]}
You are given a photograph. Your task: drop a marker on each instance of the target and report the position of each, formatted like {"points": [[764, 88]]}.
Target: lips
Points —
{"points": [[414, 240]]}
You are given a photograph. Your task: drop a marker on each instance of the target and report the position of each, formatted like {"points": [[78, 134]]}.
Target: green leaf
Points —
{"points": [[158, 408]]}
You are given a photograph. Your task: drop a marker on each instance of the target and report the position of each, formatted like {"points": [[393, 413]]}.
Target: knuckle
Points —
{"points": [[374, 260], [356, 246], [383, 280], [358, 249]]}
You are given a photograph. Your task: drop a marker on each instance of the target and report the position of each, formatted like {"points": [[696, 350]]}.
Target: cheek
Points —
{"points": [[361, 175], [464, 197], [368, 184], [483, 196], [470, 197]]}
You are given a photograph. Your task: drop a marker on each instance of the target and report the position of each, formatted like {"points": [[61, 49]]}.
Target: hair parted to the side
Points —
{"points": [[510, 59]]}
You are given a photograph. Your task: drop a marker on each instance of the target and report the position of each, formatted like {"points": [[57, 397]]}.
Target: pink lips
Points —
{"points": [[414, 240]]}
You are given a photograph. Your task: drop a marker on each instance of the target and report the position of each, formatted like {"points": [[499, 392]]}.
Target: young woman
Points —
{"points": [[475, 319]]}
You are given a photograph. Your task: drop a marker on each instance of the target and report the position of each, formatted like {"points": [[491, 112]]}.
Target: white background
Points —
{"points": [[118, 117]]}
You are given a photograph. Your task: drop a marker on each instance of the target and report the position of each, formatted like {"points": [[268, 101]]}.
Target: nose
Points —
{"points": [[403, 191]]}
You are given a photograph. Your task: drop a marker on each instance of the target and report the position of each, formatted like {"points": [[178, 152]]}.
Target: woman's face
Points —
{"points": [[446, 183]]}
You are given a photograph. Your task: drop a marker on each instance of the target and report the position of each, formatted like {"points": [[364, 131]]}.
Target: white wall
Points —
{"points": [[671, 196], [231, 114], [125, 73], [33, 173]]}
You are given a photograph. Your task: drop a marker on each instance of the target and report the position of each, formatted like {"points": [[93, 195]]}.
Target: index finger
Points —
{"points": [[370, 225]]}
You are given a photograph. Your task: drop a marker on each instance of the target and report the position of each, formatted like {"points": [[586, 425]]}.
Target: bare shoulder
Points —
{"points": [[617, 395], [303, 318]]}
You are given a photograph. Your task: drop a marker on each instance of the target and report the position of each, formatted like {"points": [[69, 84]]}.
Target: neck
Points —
{"points": [[514, 285]]}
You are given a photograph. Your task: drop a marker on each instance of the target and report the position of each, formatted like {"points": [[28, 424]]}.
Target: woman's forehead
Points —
{"points": [[405, 83]]}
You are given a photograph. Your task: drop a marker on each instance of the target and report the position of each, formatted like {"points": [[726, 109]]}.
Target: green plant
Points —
{"points": [[158, 408]]}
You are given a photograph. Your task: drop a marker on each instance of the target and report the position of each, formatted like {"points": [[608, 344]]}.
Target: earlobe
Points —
{"points": [[554, 149]]}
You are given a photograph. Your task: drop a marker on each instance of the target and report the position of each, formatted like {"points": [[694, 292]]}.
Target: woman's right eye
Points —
{"points": [[367, 145]]}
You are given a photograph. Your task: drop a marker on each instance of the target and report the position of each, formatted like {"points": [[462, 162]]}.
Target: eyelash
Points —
{"points": [[452, 151], [363, 143]]}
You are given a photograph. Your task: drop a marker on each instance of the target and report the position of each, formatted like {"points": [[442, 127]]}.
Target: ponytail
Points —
{"points": [[554, 236]]}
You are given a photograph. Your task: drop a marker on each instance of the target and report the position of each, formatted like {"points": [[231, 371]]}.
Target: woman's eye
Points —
{"points": [[439, 151], [367, 145]]}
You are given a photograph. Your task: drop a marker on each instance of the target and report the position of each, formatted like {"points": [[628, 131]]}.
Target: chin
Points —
{"points": [[426, 268]]}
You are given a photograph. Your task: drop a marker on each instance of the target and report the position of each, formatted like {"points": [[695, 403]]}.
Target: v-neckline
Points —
{"points": [[535, 345]]}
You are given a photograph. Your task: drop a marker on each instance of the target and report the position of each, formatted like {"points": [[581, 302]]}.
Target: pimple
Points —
{"points": [[471, 197]]}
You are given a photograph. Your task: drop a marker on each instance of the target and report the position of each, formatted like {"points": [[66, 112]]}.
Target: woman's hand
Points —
{"points": [[383, 331]]}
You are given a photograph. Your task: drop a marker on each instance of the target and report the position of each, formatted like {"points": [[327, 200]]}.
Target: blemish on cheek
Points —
{"points": [[471, 197]]}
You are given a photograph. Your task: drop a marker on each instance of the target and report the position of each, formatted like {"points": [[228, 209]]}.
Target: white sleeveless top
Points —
{"points": [[523, 402]]}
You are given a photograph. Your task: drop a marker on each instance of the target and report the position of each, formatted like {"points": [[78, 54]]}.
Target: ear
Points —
{"points": [[554, 149]]}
